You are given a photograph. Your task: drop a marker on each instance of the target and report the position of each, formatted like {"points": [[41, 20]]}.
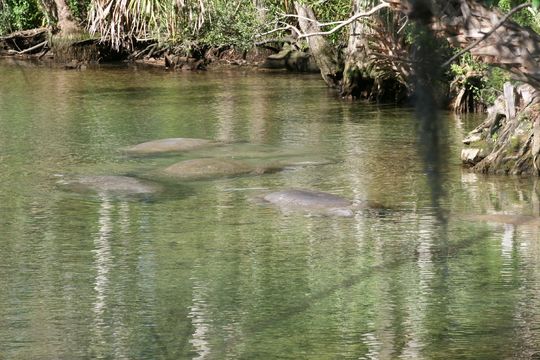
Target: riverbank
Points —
{"points": [[39, 45]]}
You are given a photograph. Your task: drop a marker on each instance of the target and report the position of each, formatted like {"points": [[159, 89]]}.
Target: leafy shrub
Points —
{"points": [[18, 15], [79, 9], [231, 23], [491, 79]]}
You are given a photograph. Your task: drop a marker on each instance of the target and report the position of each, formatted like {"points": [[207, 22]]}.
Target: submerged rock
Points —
{"points": [[471, 155], [169, 145], [313, 202], [215, 167], [116, 185], [292, 60]]}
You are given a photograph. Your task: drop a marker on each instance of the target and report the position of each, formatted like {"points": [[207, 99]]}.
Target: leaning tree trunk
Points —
{"points": [[509, 140], [325, 56], [463, 22], [510, 46]]}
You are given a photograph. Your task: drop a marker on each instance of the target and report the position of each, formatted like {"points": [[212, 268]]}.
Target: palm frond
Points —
{"points": [[122, 21]]}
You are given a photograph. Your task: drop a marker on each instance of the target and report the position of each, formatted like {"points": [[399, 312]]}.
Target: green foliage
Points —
{"points": [[79, 9], [19, 15], [121, 21], [528, 17], [183, 22], [331, 10], [494, 80], [231, 23], [483, 81]]}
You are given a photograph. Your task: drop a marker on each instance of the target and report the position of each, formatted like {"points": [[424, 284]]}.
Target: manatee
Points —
{"points": [[169, 146], [313, 202], [214, 167], [116, 185]]}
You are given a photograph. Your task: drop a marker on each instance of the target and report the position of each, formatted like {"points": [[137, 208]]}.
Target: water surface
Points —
{"points": [[202, 271]]}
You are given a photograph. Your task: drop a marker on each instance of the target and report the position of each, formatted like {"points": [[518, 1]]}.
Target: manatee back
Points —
{"points": [[307, 198]]}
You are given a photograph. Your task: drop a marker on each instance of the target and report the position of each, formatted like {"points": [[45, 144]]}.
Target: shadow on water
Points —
{"points": [[432, 148], [440, 253]]}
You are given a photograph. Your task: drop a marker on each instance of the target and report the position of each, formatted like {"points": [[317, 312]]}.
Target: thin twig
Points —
{"points": [[278, 40], [403, 26], [273, 31], [486, 35]]}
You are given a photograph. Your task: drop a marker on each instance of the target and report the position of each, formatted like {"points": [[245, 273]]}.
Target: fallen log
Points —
{"points": [[24, 42]]}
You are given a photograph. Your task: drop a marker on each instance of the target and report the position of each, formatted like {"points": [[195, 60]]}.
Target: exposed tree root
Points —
{"points": [[508, 141], [463, 94]]}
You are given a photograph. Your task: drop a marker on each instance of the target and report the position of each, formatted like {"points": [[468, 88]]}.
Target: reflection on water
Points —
{"points": [[103, 263], [200, 323], [203, 271]]}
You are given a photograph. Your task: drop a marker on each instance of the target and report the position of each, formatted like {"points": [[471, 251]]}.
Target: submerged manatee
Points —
{"points": [[169, 145], [313, 202], [114, 185], [214, 167]]}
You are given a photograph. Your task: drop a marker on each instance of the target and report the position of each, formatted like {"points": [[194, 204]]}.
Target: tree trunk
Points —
{"points": [[325, 56], [261, 10], [357, 66], [507, 142], [374, 68], [59, 11], [66, 22]]}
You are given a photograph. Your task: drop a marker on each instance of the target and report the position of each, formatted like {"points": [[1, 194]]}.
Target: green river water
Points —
{"points": [[203, 270]]}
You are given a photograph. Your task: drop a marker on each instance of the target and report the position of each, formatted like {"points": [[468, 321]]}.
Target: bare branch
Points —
{"points": [[287, 27], [340, 24], [350, 20], [312, 20]]}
